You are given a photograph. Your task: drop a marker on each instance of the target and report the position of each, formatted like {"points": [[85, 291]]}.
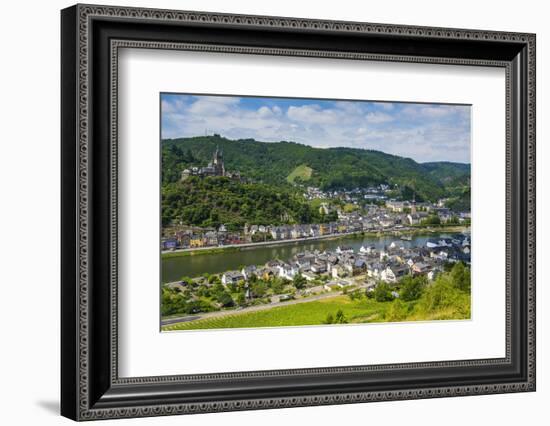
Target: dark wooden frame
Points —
{"points": [[90, 386]]}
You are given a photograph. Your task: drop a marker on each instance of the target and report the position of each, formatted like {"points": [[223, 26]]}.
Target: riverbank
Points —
{"points": [[239, 247]]}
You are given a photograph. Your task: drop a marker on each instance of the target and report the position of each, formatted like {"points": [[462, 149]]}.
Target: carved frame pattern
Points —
{"points": [[85, 13]]}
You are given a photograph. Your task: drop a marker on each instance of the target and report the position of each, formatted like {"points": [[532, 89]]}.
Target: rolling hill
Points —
{"points": [[281, 163]]}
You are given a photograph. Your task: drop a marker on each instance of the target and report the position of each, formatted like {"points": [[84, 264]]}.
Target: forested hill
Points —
{"points": [[449, 173], [332, 168]]}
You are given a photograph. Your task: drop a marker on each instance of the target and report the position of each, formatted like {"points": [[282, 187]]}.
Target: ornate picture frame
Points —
{"points": [[91, 37]]}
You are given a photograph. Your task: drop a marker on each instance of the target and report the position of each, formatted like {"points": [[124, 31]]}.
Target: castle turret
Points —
{"points": [[217, 162]]}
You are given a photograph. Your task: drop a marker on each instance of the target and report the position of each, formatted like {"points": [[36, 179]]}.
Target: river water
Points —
{"points": [[174, 268]]}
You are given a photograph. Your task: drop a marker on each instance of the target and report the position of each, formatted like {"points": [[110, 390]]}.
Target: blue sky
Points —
{"points": [[423, 132]]}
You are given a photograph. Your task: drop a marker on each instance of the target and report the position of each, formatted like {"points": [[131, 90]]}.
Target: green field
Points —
{"points": [[362, 310], [310, 313], [303, 172]]}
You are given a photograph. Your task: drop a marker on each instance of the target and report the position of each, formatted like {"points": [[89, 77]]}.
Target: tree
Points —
{"points": [[259, 289], [340, 317], [443, 296], [329, 319], [299, 281], [276, 285], [412, 288], [242, 285], [453, 221], [354, 295], [225, 299], [431, 220], [460, 276], [382, 292], [218, 288], [241, 298], [198, 306], [397, 311], [332, 216], [203, 291]]}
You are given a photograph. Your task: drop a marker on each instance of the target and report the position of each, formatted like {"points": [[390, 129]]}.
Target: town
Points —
{"points": [[347, 211], [393, 217], [270, 233], [311, 275]]}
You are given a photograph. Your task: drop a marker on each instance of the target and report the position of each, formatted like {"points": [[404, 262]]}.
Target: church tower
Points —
{"points": [[217, 162]]}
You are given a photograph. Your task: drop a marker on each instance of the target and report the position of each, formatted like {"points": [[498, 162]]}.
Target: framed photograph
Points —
{"points": [[263, 212]]}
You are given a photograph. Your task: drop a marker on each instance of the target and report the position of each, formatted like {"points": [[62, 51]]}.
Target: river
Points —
{"points": [[174, 268]]}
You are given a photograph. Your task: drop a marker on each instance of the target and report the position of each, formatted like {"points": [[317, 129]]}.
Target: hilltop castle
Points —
{"points": [[215, 167]]}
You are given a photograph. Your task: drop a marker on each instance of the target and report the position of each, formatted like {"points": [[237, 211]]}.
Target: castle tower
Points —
{"points": [[217, 162]]}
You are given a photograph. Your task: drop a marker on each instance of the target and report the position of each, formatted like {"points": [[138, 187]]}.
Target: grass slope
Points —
{"points": [[442, 300], [309, 313], [302, 172]]}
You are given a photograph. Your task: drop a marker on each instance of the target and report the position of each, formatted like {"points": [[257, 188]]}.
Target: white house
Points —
{"points": [[338, 271], [232, 277], [319, 267], [336, 284], [249, 271], [287, 271], [308, 276], [393, 273]]}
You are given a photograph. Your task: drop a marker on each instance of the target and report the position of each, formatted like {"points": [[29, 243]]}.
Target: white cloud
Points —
{"points": [[378, 117], [310, 114], [422, 132], [265, 112], [386, 106], [215, 105]]}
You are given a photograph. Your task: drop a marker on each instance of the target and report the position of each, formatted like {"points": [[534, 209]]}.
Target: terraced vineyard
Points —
{"points": [[311, 313]]}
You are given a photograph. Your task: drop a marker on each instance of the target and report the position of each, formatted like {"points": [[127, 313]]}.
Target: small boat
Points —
{"points": [[431, 244], [344, 249], [406, 237]]}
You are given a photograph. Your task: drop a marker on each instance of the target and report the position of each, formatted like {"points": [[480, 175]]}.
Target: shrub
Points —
{"points": [[444, 298], [225, 299], [340, 317], [398, 311], [382, 292], [412, 288]]}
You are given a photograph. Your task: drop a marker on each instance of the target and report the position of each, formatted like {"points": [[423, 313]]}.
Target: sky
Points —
{"points": [[423, 132]]}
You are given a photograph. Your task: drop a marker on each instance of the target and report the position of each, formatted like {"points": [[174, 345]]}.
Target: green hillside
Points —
{"points": [[212, 201], [302, 173], [331, 168], [448, 173]]}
